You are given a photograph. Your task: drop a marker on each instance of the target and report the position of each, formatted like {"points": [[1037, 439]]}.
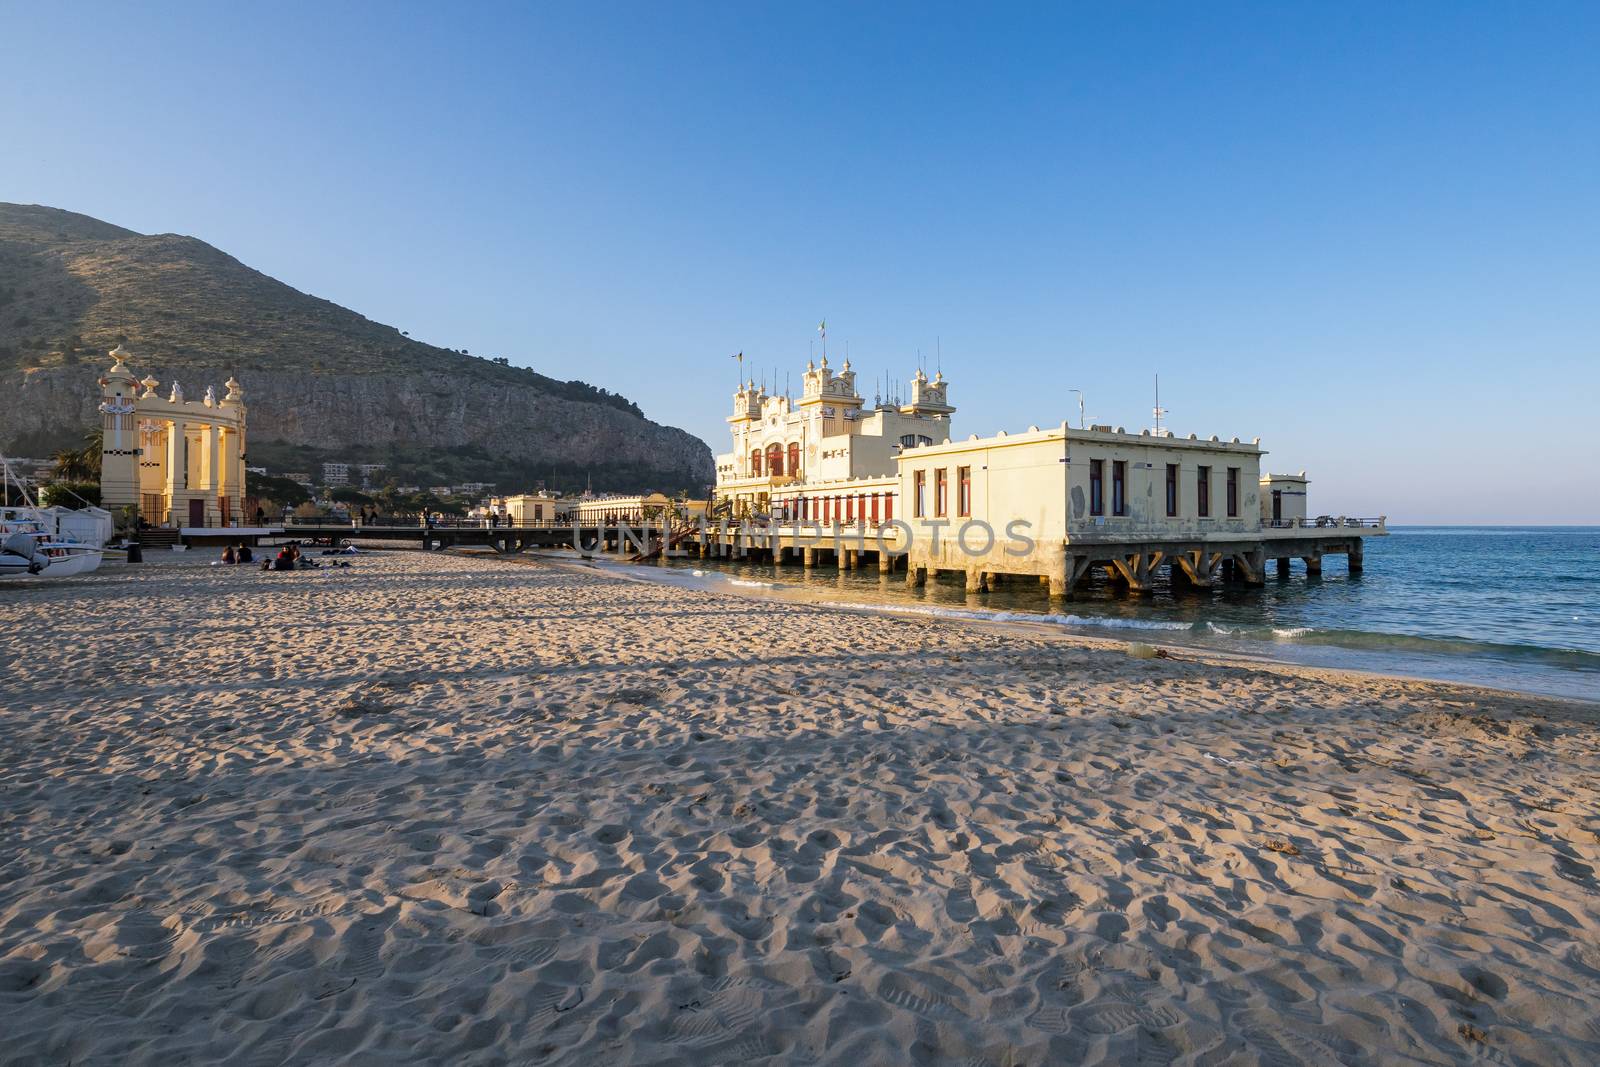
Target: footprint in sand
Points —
{"points": [[1280, 1046], [1152, 1049], [362, 945], [722, 1014], [88, 1000], [1052, 1019], [564, 1005], [902, 993], [144, 935], [1112, 1017]]}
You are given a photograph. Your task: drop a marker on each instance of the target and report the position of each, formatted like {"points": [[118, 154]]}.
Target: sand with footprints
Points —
{"points": [[434, 808]]}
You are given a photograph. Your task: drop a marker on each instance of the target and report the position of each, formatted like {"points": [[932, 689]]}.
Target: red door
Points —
{"points": [[197, 513]]}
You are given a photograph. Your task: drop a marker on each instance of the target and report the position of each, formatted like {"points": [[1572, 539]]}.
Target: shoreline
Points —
{"points": [[777, 591]]}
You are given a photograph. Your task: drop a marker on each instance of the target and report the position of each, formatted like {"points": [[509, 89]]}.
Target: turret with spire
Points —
{"points": [[928, 397]]}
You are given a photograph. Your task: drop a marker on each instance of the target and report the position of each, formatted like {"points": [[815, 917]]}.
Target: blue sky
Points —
{"points": [[1369, 234]]}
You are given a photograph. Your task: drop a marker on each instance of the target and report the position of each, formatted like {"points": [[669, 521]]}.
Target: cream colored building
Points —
{"points": [[533, 509], [635, 510], [1059, 489], [1051, 503], [180, 461], [819, 447], [1283, 499]]}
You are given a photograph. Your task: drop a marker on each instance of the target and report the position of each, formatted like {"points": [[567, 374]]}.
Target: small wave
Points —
{"points": [[1101, 620], [749, 584], [1007, 616]]}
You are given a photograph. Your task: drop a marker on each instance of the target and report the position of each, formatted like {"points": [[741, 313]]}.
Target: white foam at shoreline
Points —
{"points": [[1006, 616]]}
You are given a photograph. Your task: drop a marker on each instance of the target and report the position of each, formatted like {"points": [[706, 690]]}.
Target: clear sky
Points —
{"points": [[1369, 234]]}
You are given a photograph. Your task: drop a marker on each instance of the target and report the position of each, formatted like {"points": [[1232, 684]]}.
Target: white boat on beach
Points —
{"points": [[49, 542], [32, 547]]}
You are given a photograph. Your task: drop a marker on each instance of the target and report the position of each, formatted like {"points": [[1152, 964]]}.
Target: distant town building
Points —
{"points": [[633, 509], [532, 509], [336, 474]]}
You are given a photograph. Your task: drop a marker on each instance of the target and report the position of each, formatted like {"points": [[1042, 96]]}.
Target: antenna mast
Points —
{"points": [[1159, 411]]}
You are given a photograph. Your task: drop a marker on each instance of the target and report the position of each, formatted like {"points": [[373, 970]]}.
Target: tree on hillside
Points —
{"points": [[349, 495], [282, 491]]}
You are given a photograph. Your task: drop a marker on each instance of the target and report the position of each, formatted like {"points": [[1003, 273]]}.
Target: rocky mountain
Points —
{"points": [[321, 381]]}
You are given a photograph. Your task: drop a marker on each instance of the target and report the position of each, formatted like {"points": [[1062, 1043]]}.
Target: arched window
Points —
{"points": [[775, 460], [755, 463], [794, 460]]}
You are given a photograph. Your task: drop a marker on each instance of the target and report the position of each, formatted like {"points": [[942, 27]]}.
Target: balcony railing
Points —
{"points": [[1327, 522]]}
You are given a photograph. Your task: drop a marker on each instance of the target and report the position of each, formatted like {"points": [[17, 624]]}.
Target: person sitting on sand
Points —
{"points": [[285, 560], [243, 553], [228, 556]]}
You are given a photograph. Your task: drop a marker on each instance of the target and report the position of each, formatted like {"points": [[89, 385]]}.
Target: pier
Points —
{"points": [[1132, 564]]}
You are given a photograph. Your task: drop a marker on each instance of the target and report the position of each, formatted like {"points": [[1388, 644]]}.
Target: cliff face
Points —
{"points": [[347, 413], [317, 377]]}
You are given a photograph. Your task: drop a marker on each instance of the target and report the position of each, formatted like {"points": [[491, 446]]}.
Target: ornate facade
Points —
{"points": [[829, 446], [179, 461]]}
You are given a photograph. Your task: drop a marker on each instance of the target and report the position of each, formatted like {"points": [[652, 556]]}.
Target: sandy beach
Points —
{"points": [[433, 808]]}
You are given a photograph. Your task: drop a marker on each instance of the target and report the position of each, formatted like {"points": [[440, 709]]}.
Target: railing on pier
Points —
{"points": [[1327, 522]]}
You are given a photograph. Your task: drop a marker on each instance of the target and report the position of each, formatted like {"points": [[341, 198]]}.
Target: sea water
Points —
{"points": [[1510, 607]]}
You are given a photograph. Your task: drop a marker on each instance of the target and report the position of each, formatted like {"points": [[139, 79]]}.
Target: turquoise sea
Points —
{"points": [[1510, 607]]}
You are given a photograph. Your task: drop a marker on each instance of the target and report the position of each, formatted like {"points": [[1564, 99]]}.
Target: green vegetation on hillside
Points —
{"points": [[471, 463], [72, 288]]}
